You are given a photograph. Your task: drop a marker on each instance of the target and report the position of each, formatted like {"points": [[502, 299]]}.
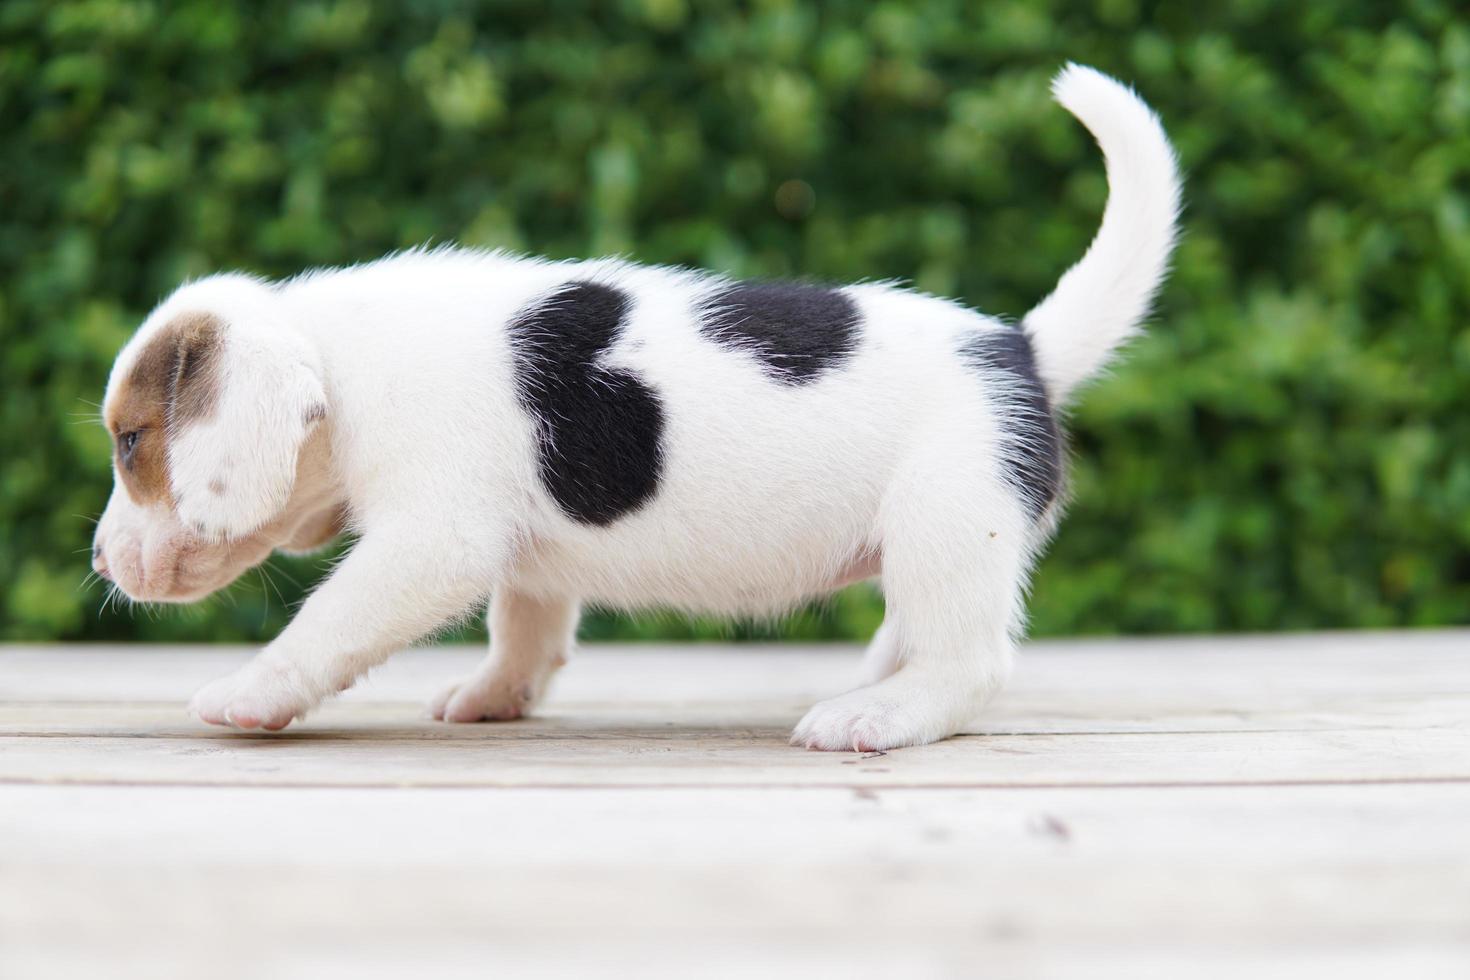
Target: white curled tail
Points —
{"points": [[1100, 301]]}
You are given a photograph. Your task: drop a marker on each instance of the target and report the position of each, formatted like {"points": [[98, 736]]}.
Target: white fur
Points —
{"points": [[890, 463], [1102, 300]]}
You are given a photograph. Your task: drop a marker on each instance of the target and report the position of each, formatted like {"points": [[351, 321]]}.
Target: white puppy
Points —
{"points": [[544, 434]]}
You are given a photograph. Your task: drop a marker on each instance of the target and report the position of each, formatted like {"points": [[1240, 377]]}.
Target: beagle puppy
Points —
{"points": [[542, 434]]}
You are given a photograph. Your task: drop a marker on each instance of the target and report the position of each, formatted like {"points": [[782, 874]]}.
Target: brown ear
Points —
{"points": [[246, 395], [194, 393], [173, 382]]}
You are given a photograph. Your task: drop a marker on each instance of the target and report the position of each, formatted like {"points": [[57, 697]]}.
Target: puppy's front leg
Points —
{"points": [[530, 638], [398, 583]]}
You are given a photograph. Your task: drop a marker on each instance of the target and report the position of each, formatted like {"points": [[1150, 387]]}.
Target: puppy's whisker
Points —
{"points": [[229, 592], [265, 605], [270, 563], [270, 583]]}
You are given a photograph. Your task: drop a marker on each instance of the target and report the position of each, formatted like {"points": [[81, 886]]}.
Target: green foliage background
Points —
{"points": [[1286, 448]]}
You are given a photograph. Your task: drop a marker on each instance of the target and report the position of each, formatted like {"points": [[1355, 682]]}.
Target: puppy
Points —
{"points": [[545, 434]]}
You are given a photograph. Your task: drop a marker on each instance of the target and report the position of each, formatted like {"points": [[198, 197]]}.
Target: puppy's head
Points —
{"points": [[212, 408]]}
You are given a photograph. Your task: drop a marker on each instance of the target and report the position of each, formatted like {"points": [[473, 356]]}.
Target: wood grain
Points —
{"points": [[1262, 806]]}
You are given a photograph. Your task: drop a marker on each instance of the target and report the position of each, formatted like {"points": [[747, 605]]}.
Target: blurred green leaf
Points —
{"points": [[1286, 448]]}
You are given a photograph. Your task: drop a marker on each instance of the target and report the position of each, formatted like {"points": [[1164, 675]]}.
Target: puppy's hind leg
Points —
{"points": [[529, 639], [955, 550]]}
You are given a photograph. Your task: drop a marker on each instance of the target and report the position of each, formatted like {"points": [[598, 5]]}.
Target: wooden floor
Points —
{"points": [[1253, 807]]}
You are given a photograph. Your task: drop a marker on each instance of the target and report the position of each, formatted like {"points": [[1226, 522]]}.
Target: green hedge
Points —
{"points": [[1289, 447]]}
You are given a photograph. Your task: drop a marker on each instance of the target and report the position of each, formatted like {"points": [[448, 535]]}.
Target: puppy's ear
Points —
{"points": [[245, 396]]}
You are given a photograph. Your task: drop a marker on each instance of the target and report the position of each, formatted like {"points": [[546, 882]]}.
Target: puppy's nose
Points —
{"points": [[99, 561]]}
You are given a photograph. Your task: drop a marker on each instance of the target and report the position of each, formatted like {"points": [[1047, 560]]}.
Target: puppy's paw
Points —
{"points": [[487, 696], [883, 716], [263, 694]]}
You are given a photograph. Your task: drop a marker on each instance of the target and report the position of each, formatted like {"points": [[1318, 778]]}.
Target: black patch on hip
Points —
{"points": [[599, 428], [1032, 446], [796, 330]]}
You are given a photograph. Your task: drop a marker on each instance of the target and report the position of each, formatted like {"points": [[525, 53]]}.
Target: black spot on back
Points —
{"points": [[796, 330], [1033, 441], [599, 427]]}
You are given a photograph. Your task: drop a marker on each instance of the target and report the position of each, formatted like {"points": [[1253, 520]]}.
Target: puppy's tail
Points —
{"points": [[1099, 302]]}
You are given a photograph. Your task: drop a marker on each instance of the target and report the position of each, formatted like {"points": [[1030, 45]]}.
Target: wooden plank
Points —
{"points": [[1324, 681], [550, 754], [1269, 667], [1307, 709], [1105, 822], [1048, 882], [1024, 710], [151, 953]]}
